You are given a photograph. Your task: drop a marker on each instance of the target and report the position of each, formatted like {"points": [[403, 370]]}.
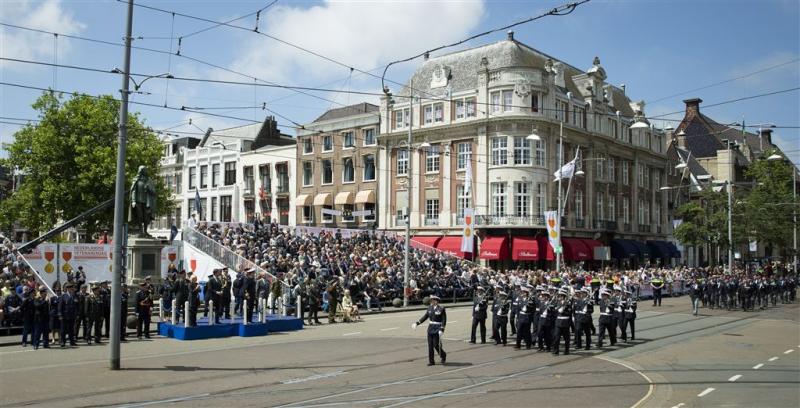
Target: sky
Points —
{"points": [[664, 51]]}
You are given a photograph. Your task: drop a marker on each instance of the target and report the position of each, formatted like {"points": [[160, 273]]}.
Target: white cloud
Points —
{"points": [[362, 34], [21, 44]]}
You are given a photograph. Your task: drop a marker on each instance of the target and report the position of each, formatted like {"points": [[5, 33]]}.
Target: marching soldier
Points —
{"points": [[546, 318], [94, 314], [606, 319], [503, 309], [438, 321], [527, 306], [479, 306], [583, 317], [144, 303], [66, 314], [629, 315], [563, 308]]}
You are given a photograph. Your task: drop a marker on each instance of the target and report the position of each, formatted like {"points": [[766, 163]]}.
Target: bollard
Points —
{"points": [[244, 309], [174, 311], [299, 307], [261, 310], [211, 317], [186, 314], [161, 310], [270, 299], [281, 306]]}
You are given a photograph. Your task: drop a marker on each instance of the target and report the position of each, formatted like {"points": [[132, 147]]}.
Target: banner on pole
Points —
{"points": [[553, 230], [468, 236]]}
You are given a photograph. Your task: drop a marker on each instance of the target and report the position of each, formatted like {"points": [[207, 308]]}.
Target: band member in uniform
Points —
{"points": [[629, 313], [514, 296], [583, 317], [546, 318], [144, 303], [563, 308], [619, 313], [527, 306], [479, 306], [503, 310], [606, 319], [438, 320]]}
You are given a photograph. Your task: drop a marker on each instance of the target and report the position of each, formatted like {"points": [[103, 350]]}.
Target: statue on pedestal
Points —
{"points": [[143, 202]]}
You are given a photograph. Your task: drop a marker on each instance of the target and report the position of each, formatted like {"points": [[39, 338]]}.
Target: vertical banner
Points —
{"points": [[753, 246], [553, 230], [468, 237]]}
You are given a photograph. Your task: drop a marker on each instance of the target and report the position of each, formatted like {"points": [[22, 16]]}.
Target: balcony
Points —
{"points": [[400, 221], [605, 225], [430, 221], [580, 223], [627, 227], [508, 220], [644, 228]]}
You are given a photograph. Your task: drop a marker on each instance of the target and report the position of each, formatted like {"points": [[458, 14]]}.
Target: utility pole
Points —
{"points": [[410, 185], [119, 200], [560, 210]]}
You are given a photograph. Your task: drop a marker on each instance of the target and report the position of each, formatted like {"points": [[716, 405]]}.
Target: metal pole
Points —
{"points": [[408, 203], [730, 227], [58, 265], [794, 213], [119, 198], [559, 211]]}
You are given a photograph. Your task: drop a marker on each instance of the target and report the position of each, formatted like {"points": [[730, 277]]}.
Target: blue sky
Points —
{"points": [[656, 48]]}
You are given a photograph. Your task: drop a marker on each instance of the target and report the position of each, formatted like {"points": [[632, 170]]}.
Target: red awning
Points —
{"points": [[576, 250], [524, 249], [425, 243], [452, 246], [545, 250], [494, 248], [592, 244]]}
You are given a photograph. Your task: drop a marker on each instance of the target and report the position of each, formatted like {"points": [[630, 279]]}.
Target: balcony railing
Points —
{"points": [[580, 223], [399, 221], [627, 227], [644, 228], [430, 221], [605, 225], [508, 220]]}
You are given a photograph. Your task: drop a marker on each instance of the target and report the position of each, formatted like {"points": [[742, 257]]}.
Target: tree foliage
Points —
{"points": [[68, 162], [768, 207]]}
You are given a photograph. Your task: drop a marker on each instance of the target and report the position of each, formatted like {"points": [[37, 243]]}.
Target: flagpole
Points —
{"points": [[560, 165]]}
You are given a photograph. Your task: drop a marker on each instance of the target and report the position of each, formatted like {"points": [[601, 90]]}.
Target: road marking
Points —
{"points": [[454, 321], [773, 359], [390, 328], [679, 405], [351, 334], [312, 378], [757, 366], [735, 377], [705, 392], [165, 401], [788, 351], [18, 351], [452, 339], [649, 381]]}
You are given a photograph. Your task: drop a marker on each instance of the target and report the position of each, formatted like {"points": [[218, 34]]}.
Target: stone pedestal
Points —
{"points": [[144, 259]]}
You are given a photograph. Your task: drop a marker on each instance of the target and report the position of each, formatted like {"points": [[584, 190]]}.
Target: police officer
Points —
{"points": [[657, 284], [606, 319], [563, 308], [438, 320], [144, 304], [66, 315], [41, 319], [527, 306], [583, 317], [503, 310], [479, 306]]}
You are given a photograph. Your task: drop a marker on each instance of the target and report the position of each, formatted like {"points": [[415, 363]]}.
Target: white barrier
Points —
{"points": [[174, 311], [211, 318], [244, 308], [261, 309], [299, 304], [186, 314], [161, 310]]}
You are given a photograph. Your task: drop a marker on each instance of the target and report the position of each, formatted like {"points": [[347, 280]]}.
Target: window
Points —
{"points": [[347, 213], [214, 207], [327, 172], [369, 137], [308, 214], [432, 159], [612, 176], [600, 166], [499, 152], [369, 207], [225, 209], [369, 167], [541, 199], [438, 112], [600, 216], [641, 211], [402, 162], [432, 211], [612, 207], [640, 174], [495, 96], [522, 199], [266, 182], [646, 177], [657, 214], [348, 171], [579, 117], [499, 199], [190, 207], [562, 111], [428, 113], [214, 175], [626, 210], [402, 117], [230, 173], [465, 108], [625, 175], [203, 176], [349, 139], [464, 155], [308, 146], [327, 143], [656, 179], [541, 154], [522, 150], [507, 101], [462, 202], [327, 217], [192, 177], [535, 102], [308, 174], [579, 204]]}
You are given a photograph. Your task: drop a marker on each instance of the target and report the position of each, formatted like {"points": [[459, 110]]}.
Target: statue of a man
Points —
{"points": [[143, 201]]}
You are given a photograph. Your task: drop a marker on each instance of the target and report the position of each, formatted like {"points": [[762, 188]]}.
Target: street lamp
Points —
{"points": [[777, 157], [136, 85]]}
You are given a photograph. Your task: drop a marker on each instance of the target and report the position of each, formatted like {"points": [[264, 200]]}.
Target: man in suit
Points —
{"points": [[213, 293], [249, 293], [180, 291]]}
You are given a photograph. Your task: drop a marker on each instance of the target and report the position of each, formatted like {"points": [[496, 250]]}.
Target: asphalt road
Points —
{"points": [[719, 358]]}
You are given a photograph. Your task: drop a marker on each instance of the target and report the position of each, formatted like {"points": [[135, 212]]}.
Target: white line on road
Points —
{"points": [[773, 359], [351, 334], [679, 405], [18, 351], [454, 321], [757, 366], [164, 401], [735, 377], [651, 387], [788, 351], [705, 392], [390, 328]]}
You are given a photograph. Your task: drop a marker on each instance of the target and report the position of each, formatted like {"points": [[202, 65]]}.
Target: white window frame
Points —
{"points": [[344, 170], [308, 146], [367, 132], [541, 199], [350, 207], [499, 199], [402, 162], [579, 213], [432, 159], [464, 150], [348, 140], [626, 210], [432, 209], [374, 168], [499, 151], [326, 218], [508, 100], [522, 198], [496, 99], [327, 139], [522, 151], [600, 216], [462, 201], [599, 167], [402, 117], [536, 101], [612, 207], [308, 181], [307, 214], [438, 112], [540, 156], [330, 162], [626, 176], [612, 174], [427, 114]]}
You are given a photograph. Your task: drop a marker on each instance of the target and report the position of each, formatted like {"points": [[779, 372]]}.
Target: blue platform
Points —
{"points": [[230, 328]]}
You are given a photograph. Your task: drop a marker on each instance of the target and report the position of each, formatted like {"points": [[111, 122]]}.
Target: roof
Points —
{"points": [[704, 136], [346, 111], [693, 165]]}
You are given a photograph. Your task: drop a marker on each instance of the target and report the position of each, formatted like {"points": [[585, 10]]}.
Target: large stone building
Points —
{"points": [[479, 106], [337, 161]]}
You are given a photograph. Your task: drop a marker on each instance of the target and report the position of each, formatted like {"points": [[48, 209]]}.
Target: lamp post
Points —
{"points": [[776, 157]]}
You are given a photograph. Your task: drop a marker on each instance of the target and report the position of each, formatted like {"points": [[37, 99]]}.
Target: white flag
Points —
{"points": [[468, 237], [567, 171]]}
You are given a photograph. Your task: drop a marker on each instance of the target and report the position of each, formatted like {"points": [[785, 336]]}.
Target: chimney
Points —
{"points": [[692, 106], [623, 88], [681, 140], [766, 136], [510, 35]]}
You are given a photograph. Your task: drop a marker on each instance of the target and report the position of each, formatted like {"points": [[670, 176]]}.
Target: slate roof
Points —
{"points": [[704, 136], [694, 166], [346, 111]]}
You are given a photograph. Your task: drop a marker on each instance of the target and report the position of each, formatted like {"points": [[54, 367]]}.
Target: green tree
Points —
{"points": [[68, 161], [705, 221], [767, 207]]}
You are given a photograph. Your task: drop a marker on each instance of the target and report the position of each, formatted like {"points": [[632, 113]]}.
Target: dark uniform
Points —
{"points": [[249, 295], [27, 309], [94, 315], [105, 301], [67, 311], [628, 316], [333, 299], [514, 296], [438, 320], [606, 319], [546, 320], [312, 297], [479, 306], [180, 290], [80, 319], [583, 319], [144, 305], [55, 322], [527, 307], [657, 284], [194, 302], [226, 294], [213, 293], [503, 310], [41, 320], [563, 322]]}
